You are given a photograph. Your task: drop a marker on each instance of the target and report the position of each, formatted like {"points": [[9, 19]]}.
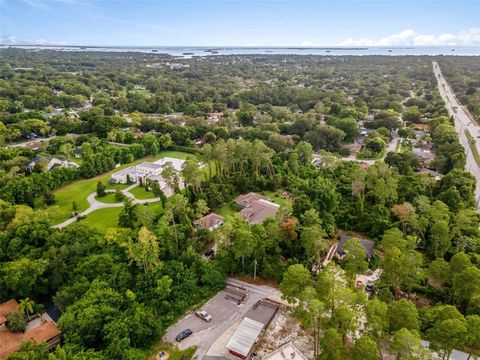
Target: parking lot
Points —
{"points": [[224, 314]]}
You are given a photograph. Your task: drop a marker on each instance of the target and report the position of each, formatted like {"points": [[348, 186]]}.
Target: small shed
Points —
{"points": [[242, 341]]}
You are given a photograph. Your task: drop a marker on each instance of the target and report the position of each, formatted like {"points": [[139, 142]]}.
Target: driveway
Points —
{"points": [[224, 312], [96, 205]]}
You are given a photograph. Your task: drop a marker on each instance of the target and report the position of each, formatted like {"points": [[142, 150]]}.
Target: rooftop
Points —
{"points": [[7, 307], [149, 165], [177, 163], [244, 338], [208, 221], [246, 199], [257, 211], [37, 331]]}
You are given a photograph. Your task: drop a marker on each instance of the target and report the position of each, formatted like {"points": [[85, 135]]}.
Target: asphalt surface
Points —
{"points": [[224, 313], [462, 121]]}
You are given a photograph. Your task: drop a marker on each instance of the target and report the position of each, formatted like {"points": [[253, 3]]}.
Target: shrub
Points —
{"points": [[16, 322]]}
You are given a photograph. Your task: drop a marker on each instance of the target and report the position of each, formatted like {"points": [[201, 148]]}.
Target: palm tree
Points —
{"points": [[26, 306]]}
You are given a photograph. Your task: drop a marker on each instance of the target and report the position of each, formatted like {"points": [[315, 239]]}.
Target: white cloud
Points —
{"points": [[307, 43], [14, 40], [409, 37]]}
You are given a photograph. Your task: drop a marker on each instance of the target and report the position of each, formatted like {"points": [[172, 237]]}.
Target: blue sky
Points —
{"points": [[240, 23]]}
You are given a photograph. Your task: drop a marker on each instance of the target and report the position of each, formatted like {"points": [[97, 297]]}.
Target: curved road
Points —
{"points": [[96, 205], [462, 120]]}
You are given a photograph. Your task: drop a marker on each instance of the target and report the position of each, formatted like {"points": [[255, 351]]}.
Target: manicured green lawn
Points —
{"points": [[156, 207], [109, 198], [140, 193], [103, 219], [78, 191]]}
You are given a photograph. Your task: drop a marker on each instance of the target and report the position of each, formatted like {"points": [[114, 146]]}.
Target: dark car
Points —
{"points": [[210, 253], [183, 335]]}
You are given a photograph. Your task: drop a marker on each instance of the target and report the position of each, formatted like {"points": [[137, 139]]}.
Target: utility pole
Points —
{"points": [[255, 270]]}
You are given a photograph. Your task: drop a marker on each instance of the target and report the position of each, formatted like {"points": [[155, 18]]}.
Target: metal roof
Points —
{"points": [[245, 336]]}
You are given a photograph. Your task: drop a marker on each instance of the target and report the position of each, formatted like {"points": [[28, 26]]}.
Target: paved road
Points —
{"points": [[24, 143], [225, 314], [462, 121], [96, 205]]}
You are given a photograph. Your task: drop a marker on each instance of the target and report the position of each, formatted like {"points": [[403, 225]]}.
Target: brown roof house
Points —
{"points": [[256, 208], [39, 330], [209, 222]]}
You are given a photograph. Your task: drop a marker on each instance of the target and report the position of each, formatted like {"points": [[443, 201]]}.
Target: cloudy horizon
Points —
{"points": [[309, 23]]}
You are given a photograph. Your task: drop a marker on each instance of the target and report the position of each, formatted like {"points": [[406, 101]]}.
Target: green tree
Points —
{"points": [[407, 345], [472, 338], [354, 259], [365, 348], [26, 306], [101, 189], [295, 279], [16, 322], [447, 335], [331, 346], [403, 314]]}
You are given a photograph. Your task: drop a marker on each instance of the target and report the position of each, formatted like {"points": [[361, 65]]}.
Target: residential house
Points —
{"points": [[39, 330], [149, 171], [256, 208], [49, 163], [209, 222], [214, 117], [367, 245], [78, 153], [426, 156]]}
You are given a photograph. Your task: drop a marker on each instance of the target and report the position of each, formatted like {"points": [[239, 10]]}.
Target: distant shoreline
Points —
{"points": [[187, 52]]}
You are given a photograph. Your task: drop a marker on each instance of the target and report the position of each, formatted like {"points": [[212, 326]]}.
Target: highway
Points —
{"points": [[462, 120]]}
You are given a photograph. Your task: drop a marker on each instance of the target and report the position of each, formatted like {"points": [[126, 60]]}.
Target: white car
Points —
{"points": [[202, 314]]}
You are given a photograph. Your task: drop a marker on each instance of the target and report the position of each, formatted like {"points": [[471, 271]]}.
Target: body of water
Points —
{"points": [[191, 51]]}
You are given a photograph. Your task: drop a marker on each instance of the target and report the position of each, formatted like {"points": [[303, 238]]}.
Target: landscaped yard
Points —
{"points": [[78, 191], [103, 219], [108, 199], [140, 193]]}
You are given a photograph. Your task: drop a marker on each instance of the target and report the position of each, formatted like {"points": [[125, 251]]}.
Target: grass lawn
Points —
{"points": [[109, 198], [78, 191], [103, 219], [276, 197], [140, 193], [156, 207], [173, 352], [227, 210]]}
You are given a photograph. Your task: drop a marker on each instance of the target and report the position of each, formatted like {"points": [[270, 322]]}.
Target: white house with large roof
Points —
{"points": [[148, 170]]}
